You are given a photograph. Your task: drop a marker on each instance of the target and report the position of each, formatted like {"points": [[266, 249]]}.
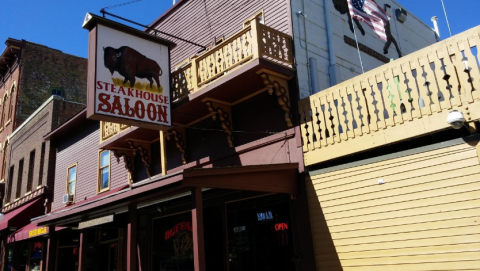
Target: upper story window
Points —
{"points": [[104, 171], [4, 160], [57, 91], [19, 179], [71, 179], [31, 167], [12, 100], [4, 104]]}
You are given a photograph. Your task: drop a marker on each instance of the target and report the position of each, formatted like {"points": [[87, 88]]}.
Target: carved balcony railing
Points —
{"points": [[110, 129], [254, 41], [406, 98]]}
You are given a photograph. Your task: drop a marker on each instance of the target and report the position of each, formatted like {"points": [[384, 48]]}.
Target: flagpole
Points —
{"points": [[446, 18], [358, 46]]}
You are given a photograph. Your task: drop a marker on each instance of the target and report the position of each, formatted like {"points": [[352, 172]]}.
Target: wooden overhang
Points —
{"points": [[275, 178]]}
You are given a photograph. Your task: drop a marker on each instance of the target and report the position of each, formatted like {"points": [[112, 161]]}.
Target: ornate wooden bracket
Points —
{"points": [[127, 158], [179, 135], [224, 114], [144, 150], [279, 86]]}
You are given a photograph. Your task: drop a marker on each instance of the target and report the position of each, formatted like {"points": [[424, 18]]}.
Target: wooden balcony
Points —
{"points": [[407, 98], [254, 41], [226, 74]]}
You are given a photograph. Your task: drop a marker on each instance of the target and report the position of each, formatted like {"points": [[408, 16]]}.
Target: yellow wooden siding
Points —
{"points": [[425, 217]]}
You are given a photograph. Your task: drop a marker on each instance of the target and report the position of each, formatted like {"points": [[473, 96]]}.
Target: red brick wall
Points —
{"points": [[30, 137], [6, 129], [82, 148], [44, 68]]}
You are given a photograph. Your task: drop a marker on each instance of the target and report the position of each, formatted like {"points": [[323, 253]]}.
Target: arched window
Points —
{"points": [[4, 160], [12, 100], [2, 120]]}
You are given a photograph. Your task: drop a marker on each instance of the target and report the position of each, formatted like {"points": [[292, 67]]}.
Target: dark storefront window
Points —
{"points": [[36, 253], [9, 258], [260, 234], [67, 253], [173, 243]]}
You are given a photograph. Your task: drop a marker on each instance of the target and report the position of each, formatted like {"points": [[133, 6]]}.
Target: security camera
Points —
{"points": [[455, 119]]}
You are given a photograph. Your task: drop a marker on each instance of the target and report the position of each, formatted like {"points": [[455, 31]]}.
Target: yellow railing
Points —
{"points": [[405, 98], [110, 129], [254, 41]]}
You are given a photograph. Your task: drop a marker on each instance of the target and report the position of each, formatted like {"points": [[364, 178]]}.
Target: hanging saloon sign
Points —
{"points": [[128, 75]]}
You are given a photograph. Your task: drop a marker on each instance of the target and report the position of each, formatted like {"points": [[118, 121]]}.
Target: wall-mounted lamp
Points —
{"points": [[401, 15], [2, 216], [300, 13], [456, 119]]}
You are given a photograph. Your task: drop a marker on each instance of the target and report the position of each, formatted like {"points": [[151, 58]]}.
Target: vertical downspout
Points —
{"points": [[331, 53]]}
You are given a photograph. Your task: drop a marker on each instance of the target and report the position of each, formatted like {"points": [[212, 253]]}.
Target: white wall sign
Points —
{"points": [[131, 84]]}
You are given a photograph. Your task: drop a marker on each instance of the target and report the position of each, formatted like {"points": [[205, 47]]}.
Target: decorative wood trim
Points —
{"points": [[224, 114], [144, 151], [128, 159], [279, 86], [20, 201], [178, 135]]}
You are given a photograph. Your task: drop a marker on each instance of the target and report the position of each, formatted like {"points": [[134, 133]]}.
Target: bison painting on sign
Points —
{"points": [[130, 80]]}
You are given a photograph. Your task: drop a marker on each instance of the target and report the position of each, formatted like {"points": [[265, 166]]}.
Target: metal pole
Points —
{"points": [[358, 46], [446, 18], [153, 29]]}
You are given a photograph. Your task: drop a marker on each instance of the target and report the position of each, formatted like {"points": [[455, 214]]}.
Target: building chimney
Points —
{"points": [[435, 27]]}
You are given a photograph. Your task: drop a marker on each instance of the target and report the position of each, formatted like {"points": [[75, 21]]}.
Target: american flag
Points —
{"points": [[370, 13]]}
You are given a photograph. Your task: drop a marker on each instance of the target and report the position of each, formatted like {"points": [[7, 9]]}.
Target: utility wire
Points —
{"points": [[122, 4]]}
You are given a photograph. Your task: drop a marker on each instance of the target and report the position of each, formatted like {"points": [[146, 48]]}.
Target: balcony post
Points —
{"points": [[194, 74], [257, 37]]}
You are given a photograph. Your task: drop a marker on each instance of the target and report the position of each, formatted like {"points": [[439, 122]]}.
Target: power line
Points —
{"points": [[122, 4]]}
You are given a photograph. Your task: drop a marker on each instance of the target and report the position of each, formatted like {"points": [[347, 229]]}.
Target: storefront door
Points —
{"points": [[260, 234]]}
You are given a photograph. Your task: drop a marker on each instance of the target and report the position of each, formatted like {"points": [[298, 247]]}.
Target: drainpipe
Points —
{"points": [[435, 27], [332, 69]]}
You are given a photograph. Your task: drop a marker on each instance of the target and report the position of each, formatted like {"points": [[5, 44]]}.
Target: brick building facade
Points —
{"points": [[32, 160], [29, 74]]}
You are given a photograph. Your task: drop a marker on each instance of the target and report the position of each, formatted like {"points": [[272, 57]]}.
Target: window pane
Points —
{"points": [[104, 178], [104, 158], [72, 172], [71, 188]]}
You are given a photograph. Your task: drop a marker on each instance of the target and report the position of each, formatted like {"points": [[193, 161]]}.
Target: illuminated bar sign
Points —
{"points": [[128, 75], [95, 222], [37, 232], [182, 226], [265, 216]]}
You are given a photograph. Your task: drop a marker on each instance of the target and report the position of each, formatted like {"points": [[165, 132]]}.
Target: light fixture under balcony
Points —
{"points": [[456, 119]]}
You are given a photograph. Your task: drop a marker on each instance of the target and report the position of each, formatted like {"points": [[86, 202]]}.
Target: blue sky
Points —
{"points": [[57, 23]]}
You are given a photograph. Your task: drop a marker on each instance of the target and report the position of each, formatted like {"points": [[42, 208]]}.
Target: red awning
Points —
{"points": [[21, 216], [30, 231]]}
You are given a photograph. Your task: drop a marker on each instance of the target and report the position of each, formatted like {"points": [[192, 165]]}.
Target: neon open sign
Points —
{"points": [[282, 226]]}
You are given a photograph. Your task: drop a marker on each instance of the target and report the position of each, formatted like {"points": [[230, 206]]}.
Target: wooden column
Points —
{"points": [[51, 250], [132, 238], [82, 252], [197, 228]]}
